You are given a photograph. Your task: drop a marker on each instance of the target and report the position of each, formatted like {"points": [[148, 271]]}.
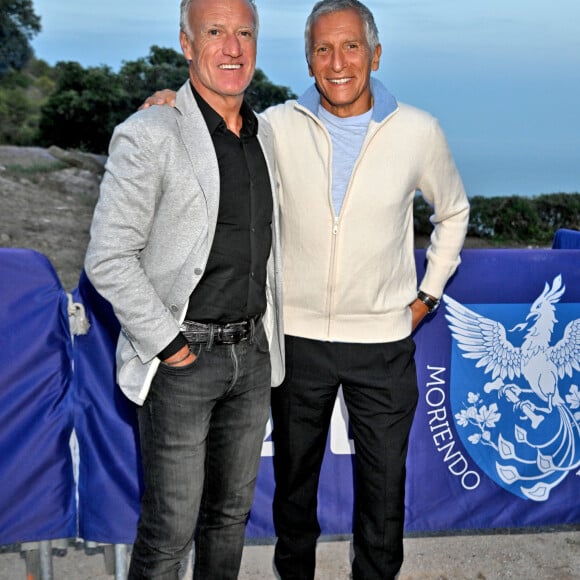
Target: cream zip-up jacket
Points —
{"points": [[351, 277]]}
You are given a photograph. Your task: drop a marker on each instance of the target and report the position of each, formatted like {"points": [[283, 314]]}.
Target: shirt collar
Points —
{"points": [[215, 122]]}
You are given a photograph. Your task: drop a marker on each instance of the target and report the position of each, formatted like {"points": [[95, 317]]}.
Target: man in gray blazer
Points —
{"points": [[184, 246]]}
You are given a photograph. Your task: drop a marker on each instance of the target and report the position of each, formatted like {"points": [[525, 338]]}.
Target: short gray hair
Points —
{"points": [[332, 6], [184, 17]]}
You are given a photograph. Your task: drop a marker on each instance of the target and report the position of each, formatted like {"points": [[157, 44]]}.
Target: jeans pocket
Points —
{"points": [[261, 340]]}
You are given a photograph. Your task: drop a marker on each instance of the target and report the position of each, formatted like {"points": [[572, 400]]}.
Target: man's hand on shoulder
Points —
{"points": [[163, 97]]}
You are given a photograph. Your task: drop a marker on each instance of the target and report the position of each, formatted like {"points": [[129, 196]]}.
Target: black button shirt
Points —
{"points": [[233, 285]]}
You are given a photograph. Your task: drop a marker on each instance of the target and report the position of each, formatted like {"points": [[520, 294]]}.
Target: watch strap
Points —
{"points": [[429, 301]]}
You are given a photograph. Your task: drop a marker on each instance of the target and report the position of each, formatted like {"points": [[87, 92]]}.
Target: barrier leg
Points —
{"points": [[31, 557], [121, 561], [46, 570], [116, 560]]}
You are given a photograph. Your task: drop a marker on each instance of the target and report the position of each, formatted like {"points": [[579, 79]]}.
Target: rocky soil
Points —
{"points": [[47, 204]]}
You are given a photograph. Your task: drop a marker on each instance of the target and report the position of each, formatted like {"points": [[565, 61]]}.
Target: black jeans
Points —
{"points": [[380, 390], [202, 428]]}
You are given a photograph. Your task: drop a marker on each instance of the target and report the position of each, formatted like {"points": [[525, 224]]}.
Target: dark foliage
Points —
{"points": [[18, 25], [162, 68], [83, 109], [529, 220], [86, 104]]}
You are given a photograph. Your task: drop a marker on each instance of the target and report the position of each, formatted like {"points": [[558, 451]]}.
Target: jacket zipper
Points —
{"points": [[332, 274]]}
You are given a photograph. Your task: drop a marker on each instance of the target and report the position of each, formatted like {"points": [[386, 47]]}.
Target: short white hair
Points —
{"points": [[332, 6], [185, 27]]}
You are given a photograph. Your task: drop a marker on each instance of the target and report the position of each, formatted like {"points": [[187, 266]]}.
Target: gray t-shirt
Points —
{"points": [[348, 135]]}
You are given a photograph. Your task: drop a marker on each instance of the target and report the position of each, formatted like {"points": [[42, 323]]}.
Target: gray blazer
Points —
{"points": [[152, 231]]}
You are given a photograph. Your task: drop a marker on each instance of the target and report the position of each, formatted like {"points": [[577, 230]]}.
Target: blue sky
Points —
{"points": [[502, 76]]}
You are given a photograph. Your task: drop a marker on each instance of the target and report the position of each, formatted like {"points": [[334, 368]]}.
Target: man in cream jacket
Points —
{"points": [[350, 160]]}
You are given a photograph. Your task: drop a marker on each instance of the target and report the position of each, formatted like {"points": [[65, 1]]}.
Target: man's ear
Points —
{"points": [[185, 45], [376, 59]]}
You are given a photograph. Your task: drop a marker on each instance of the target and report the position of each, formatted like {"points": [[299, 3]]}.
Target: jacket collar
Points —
{"points": [[384, 102]]}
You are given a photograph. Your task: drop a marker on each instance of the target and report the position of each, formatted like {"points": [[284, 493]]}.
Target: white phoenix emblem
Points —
{"points": [[542, 365]]}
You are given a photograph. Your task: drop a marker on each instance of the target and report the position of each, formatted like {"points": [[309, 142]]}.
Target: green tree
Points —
{"points": [[17, 116], [18, 25], [22, 94], [84, 108], [559, 210], [86, 104], [162, 68]]}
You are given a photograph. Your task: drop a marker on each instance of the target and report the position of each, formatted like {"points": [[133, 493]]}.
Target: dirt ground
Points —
{"points": [[47, 205], [538, 556]]}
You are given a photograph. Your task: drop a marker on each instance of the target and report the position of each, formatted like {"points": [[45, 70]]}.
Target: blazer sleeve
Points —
{"points": [[120, 231]]}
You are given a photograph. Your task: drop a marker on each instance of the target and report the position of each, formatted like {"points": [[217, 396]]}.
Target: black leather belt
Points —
{"points": [[232, 333]]}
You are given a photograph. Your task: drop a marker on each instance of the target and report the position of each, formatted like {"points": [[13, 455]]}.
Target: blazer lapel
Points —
{"points": [[199, 146]]}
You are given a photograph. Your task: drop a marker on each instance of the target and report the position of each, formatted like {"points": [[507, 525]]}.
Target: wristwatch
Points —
{"points": [[429, 301]]}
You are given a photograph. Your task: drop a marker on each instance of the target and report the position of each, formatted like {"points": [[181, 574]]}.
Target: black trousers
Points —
{"points": [[379, 384]]}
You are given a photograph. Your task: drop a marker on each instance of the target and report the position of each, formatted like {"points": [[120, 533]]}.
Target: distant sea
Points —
{"points": [[492, 175]]}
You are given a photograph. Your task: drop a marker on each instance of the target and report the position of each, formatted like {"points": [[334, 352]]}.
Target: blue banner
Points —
{"points": [[565, 239], [495, 442], [37, 497], [496, 438], [109, 482]]}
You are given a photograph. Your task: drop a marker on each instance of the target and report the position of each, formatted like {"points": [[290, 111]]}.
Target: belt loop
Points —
{"points": [[210, 337], [252, 329]]}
